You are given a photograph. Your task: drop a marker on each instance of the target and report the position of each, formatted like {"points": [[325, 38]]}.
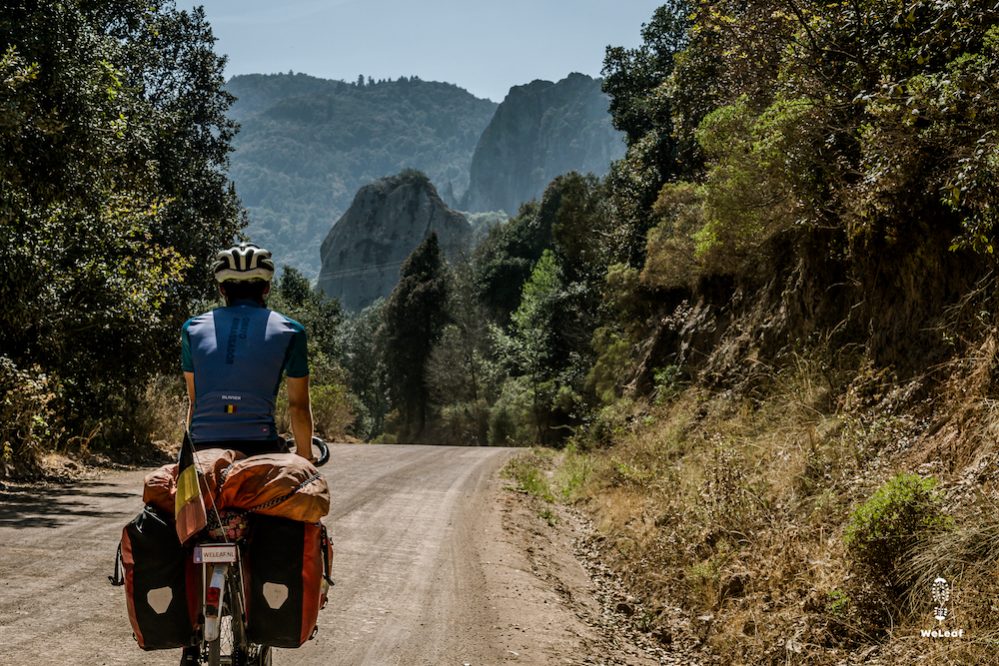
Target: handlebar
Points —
{"points": [[320, 449]]}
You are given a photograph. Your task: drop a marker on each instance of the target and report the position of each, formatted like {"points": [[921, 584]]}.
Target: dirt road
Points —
{"points": [[426, 572]]}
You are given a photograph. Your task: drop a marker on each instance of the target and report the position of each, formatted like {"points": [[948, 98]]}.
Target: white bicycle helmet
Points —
{"points": [[242, 263]]}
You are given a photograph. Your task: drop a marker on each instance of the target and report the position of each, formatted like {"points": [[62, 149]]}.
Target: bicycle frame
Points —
{"points": [[222, 596], [219, 557]]}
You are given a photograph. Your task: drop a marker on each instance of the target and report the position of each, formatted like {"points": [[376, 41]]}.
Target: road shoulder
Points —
{"points": [[549, 610]]}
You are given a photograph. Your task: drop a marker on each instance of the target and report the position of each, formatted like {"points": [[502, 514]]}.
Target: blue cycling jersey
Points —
{"points": [[238, 355]]}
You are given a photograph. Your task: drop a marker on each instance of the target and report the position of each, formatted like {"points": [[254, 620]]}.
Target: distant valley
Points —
{"points": [[307, 145]]}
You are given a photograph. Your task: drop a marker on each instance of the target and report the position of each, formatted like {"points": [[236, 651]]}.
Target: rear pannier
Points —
{"points": [[273, 484], [286, 564], [161, 583], [284, 485]]}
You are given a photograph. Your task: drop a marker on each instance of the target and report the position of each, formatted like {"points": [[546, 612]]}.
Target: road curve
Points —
{"points": [[410, 565]]}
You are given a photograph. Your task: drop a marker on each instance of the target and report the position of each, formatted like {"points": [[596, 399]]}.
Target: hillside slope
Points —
{"points": [[796, 435]]}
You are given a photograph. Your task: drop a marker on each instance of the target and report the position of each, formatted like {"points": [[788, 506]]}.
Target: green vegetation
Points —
{"points": [[883, 531], [414, 318], [529, 473], [114, 142]]}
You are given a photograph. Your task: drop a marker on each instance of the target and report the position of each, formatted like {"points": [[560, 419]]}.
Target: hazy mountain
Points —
{"points": [[307, 145], [365, 249], [540, 131]]}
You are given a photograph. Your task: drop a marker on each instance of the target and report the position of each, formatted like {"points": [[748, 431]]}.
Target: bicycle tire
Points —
{"points": [[215, 652], [263, 658], [231, 633]]}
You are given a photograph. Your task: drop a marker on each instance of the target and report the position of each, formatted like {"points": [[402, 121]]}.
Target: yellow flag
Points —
{"points": [[189, 505]]}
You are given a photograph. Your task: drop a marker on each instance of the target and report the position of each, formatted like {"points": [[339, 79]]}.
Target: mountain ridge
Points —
{"points": [[541, 130], [307, 145]]}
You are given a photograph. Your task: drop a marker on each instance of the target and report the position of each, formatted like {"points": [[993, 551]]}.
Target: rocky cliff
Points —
{"points": [[306, 145], [364, 250], [541, 130]]}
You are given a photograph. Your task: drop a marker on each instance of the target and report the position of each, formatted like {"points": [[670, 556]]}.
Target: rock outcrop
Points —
{"points": [[540, 131], [363, 252], [306, 145]]}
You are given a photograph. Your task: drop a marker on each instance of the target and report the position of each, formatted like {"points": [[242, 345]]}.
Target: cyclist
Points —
{"points": [[234, 357]]}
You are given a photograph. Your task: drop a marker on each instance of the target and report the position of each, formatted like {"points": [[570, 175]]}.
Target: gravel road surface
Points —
{"points": [[426, 571]]}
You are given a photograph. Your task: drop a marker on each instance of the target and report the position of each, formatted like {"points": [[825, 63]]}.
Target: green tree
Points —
{"points": [[113, 149], [415, 315], [539, 349], [463, 377], [637, 81], [572, 219], [362, 356], [321, 315], [503, 261]]}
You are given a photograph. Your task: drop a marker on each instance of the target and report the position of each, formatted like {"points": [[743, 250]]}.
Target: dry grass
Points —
{"points": [[164, 410], [735, 509]]}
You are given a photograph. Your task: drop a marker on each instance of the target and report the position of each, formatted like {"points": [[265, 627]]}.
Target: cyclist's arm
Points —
{"points": [[187, 365], [189, 378], [300, 414]]}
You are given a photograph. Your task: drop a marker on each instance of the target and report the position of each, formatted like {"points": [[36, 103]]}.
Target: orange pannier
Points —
{"points": [[285, 485], [274, 484], [161, 484]]}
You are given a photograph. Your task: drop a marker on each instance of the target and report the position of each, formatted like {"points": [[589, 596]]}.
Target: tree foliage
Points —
{"points": [[637, 81], [113, 146], [414, 317], [363, 358]]}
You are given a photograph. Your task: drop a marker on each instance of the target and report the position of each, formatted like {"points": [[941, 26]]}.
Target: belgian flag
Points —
{"points": [[189, 505]]}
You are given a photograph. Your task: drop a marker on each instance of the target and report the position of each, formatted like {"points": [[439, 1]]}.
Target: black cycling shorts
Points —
{"points": [[246, 447]]}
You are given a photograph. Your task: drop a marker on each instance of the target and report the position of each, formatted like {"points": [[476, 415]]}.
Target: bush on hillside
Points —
{"points": [[883, 531]]}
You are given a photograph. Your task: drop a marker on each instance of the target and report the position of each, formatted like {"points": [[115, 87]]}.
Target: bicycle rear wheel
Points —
{"points": [[229, 649], [262, 657]]}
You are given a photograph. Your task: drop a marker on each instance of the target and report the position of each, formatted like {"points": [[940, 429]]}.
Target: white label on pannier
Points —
{"points": [[275, 594], [215, 552], [159, 599]]}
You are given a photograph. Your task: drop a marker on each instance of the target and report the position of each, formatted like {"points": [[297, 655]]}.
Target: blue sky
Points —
{"points": [[485, 47]]}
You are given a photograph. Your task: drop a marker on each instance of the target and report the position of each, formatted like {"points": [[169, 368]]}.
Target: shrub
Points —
{"points": [[160, 414], [25, 417], [668, 383], [884, 530], [464, 423], [333, 410], [511, 416], [574, 471], [527, 471]]}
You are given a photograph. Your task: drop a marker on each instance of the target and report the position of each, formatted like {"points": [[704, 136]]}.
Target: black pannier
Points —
{"points": [[286, 563], [161, 582]]}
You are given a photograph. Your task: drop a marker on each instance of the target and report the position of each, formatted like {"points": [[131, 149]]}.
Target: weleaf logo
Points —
{"points": [[940, 593]]}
